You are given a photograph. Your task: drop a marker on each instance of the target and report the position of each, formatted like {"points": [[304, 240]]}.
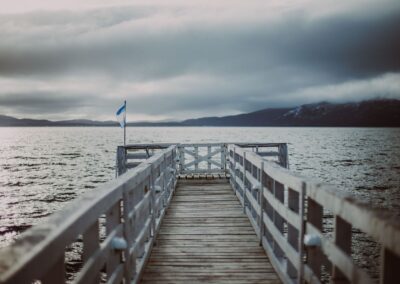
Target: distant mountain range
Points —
{"points": [[378, 113]]}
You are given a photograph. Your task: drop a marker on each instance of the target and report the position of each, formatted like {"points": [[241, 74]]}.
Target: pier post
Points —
{"points": [[121, 161], [314, 255], [390, 264]]}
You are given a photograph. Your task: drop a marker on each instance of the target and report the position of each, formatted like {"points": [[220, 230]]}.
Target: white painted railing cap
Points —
{"points": [[312, 241], [119, 243]]}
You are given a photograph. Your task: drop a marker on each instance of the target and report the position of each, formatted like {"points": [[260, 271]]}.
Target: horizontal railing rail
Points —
{"points": [[286, 211], [197, 158], [115, 225]]}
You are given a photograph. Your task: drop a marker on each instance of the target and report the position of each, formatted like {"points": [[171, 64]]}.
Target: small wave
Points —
{"points": [[57, 164], [28, 165], [13, 229], [18, 183], [71, 155], [61, 197], [381, 187], [89, 186], [30, 158]]}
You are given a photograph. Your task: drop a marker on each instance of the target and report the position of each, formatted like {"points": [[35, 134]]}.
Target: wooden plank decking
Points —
{"points": [[206, 237]]}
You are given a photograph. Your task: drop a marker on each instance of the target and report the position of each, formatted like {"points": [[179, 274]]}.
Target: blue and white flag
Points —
{"points": [[121, 115]]}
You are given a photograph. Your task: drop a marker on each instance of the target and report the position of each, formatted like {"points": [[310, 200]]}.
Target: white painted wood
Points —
{"points": [[390, 264], [340, 258], [290, 216], [252, 201], [96, 262], [19, 262], [380, 225], [280, 239], [342, 239]]}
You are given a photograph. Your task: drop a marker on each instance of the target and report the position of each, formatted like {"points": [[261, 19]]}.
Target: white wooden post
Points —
{"points": [[121, 161], [314, 216], [209, 158], [181, 159], [244, 190], [342, 239], [390, 263], [261, 200], [301, 233], [293, 232], [223, 157], [56, 274], [90, 245], [196, 158], [113, 218]]}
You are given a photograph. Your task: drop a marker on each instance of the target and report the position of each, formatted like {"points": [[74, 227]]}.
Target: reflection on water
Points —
{"points": [[42, 169]]}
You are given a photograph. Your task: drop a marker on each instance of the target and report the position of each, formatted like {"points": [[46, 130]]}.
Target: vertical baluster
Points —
{"points": [[390, 264], [293, 232], [196, 158], [343, 241], [56, 274], [154, 209], [174, 168], [130, 265], [209, 159], [279, 193], [165, 180], [301, 233], [234, 170], [223, 157], [121, 161], [90, 245], [261, 200], [138, 220], [113, 218], [314, 255], [244, 182], [181, 159]]}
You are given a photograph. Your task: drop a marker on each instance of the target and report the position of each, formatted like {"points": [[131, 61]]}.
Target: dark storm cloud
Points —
{"points": [[169, 60], [354, 45], [348, 45], [44, 102]]}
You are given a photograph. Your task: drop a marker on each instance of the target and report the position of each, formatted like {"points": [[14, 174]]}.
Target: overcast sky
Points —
{"points": [[183, 59]]}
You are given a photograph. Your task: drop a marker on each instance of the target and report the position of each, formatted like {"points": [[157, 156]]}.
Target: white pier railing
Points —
{"points": [[198, 158], [286, 212], [115, 226]]}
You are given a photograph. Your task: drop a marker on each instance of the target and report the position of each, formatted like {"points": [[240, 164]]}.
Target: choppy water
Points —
{"points": [[42, 169]]}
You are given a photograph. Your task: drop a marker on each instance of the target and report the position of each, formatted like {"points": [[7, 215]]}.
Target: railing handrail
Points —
{"points": [[211, 161], [27, 259], [288, 196]]}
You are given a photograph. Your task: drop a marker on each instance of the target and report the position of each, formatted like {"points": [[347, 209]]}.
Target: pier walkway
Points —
{"points": [[219, 212], [205, 237]]}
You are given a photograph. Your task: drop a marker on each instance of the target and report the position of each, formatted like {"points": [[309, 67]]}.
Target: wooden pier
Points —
{"points": [[205, 237], [221, 212]]}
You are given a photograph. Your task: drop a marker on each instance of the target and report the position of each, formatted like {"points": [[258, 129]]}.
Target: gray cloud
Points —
{"points": [[44, 102], [176, 61]]}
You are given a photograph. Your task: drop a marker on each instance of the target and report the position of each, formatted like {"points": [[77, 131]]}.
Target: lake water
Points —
{"points": [[42, 169]]}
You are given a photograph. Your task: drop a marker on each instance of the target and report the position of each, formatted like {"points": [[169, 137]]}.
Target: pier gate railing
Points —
{"points": [[198, 158], [286, 211], [112, 229]]}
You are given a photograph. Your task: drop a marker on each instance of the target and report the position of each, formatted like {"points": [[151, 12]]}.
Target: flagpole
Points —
{"points": [[125, 126]]}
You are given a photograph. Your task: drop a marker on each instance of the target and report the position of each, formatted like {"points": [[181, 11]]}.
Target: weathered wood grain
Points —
{"points": [[205, 237]]}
